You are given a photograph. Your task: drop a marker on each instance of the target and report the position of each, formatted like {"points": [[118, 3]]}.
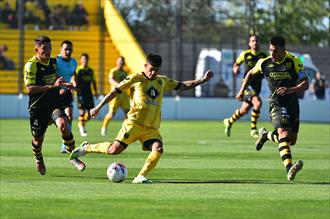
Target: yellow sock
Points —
{"points": [[106, 120], [81, 121], [98, 148], [150, 163]]}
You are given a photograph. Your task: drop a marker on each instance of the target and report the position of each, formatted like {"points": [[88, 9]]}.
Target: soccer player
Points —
{"points": [[85, 78], [45, 102], [116, 75], [66, 68], [143, 119], [251, 93], [286, 77]]}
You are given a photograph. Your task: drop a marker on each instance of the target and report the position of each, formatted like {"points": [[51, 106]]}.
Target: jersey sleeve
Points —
{"points": [[240, 58], [170, 84], [126, 83], [30, 70], [257, 68], [299, 68]]}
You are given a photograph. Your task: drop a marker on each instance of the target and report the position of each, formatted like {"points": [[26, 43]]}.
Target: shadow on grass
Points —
{"points": [[235, 182]]}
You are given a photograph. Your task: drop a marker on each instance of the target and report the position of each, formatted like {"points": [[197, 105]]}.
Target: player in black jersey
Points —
{"points": [[286, 77], [85, 79], [251, 94], [45, 102]]}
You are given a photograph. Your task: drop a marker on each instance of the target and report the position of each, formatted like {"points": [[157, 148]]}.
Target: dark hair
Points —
{"points": [[41, 40], [255, 35], [85, 54], [277, 41], [154, 60], [67, 42]]}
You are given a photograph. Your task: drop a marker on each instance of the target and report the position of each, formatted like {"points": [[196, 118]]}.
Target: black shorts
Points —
{"points": [[285, 116], [85, 102], [67, 99], [40, 119]]}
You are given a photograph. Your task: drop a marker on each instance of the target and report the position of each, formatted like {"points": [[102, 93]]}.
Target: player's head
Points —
{"points": [[84, 58], [120, 62], [43, 47], [152, 67], [66, 49], [254, 42], [277, 48]]}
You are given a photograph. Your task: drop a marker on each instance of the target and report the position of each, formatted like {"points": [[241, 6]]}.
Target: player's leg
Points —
{"points": [[257, 103], [155, 146], [264, 136], [38, 124], [113, 106], [228, 122], [81, 122], [68, 110]]}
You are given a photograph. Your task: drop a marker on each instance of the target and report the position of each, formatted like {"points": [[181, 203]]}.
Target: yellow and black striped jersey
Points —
{"points": [[250, 58]]}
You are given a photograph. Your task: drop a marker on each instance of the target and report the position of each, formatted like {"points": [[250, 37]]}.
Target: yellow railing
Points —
{"points": [[123, 38]]}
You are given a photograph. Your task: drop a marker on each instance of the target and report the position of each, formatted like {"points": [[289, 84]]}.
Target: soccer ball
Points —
{"points": [[117, 172]]}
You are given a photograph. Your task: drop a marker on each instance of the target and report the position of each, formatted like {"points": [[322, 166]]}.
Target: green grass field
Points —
{"points": [[202, 174]]}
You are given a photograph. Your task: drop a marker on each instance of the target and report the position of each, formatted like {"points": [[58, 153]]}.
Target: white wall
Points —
{"points": [[15, 106]]}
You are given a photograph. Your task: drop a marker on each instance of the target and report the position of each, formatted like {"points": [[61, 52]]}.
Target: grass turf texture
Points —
{"points": [[202, 174]]}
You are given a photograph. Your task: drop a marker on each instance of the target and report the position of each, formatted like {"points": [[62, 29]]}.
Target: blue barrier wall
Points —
{"points": [[15, 106]]}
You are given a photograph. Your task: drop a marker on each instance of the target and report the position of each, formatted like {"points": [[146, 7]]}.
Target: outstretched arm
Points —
{"points": [[186, 85], [245, 83], [300, 87], [93, 112]]}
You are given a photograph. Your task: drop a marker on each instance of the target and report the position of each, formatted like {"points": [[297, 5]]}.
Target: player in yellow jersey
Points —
{"points": [[143, 120], [116, 75]]}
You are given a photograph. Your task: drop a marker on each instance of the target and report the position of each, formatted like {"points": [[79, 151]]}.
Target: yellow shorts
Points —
{"points": [[121, 100], [131, 132]]}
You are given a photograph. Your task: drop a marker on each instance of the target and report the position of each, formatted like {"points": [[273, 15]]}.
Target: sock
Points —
{"points": [[86, 117], [81, 121], [254, 117], [36, 150], [150, 163], [285, 152], [106, 120], [98, 148], [69, 142], [236, 115], [273, 136]]}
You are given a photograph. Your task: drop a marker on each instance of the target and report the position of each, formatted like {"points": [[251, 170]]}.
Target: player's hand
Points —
{"points": [[236, 70], [283, 91], [208, 75], [240, 96], [59, 81], [68, 85], [93, 112]]}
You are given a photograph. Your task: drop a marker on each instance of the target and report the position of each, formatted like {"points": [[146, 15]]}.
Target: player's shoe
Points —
{"points": [[104, 131], [40, 165], [296, 167], [79, 151], [227, 127], [82, 130], [78, 164], [254, 133], [141, 180], [262, 138], [64, 150]]}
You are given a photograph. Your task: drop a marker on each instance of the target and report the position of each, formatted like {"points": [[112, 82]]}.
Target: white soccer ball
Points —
{"points": [[117, 172]]}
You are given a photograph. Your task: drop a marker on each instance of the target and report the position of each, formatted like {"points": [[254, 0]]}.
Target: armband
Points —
{"points": [[301, 75]]}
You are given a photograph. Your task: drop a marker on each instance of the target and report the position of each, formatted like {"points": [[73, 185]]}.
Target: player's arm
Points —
{"points": [[238, 62], [94, 85], [186, 85], [244, 85], [93, 112], [43, 88]]}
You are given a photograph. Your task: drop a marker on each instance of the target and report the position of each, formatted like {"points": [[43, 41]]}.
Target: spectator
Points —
{"points": [[5, 62], [318, 86], [7, 14], [79, 17]]}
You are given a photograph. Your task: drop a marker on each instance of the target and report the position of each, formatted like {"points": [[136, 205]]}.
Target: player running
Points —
{"points": [[286, 77], [143, 122], [251, 94]]}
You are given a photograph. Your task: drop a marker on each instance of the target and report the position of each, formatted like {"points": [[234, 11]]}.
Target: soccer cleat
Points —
{"points": [[141, 180], [79, 151], [78, 164], [40, 165], [82, 130], [254, 133], [296, 167], [64, 150], [227, 127], [104, 131], [262, 138]]}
